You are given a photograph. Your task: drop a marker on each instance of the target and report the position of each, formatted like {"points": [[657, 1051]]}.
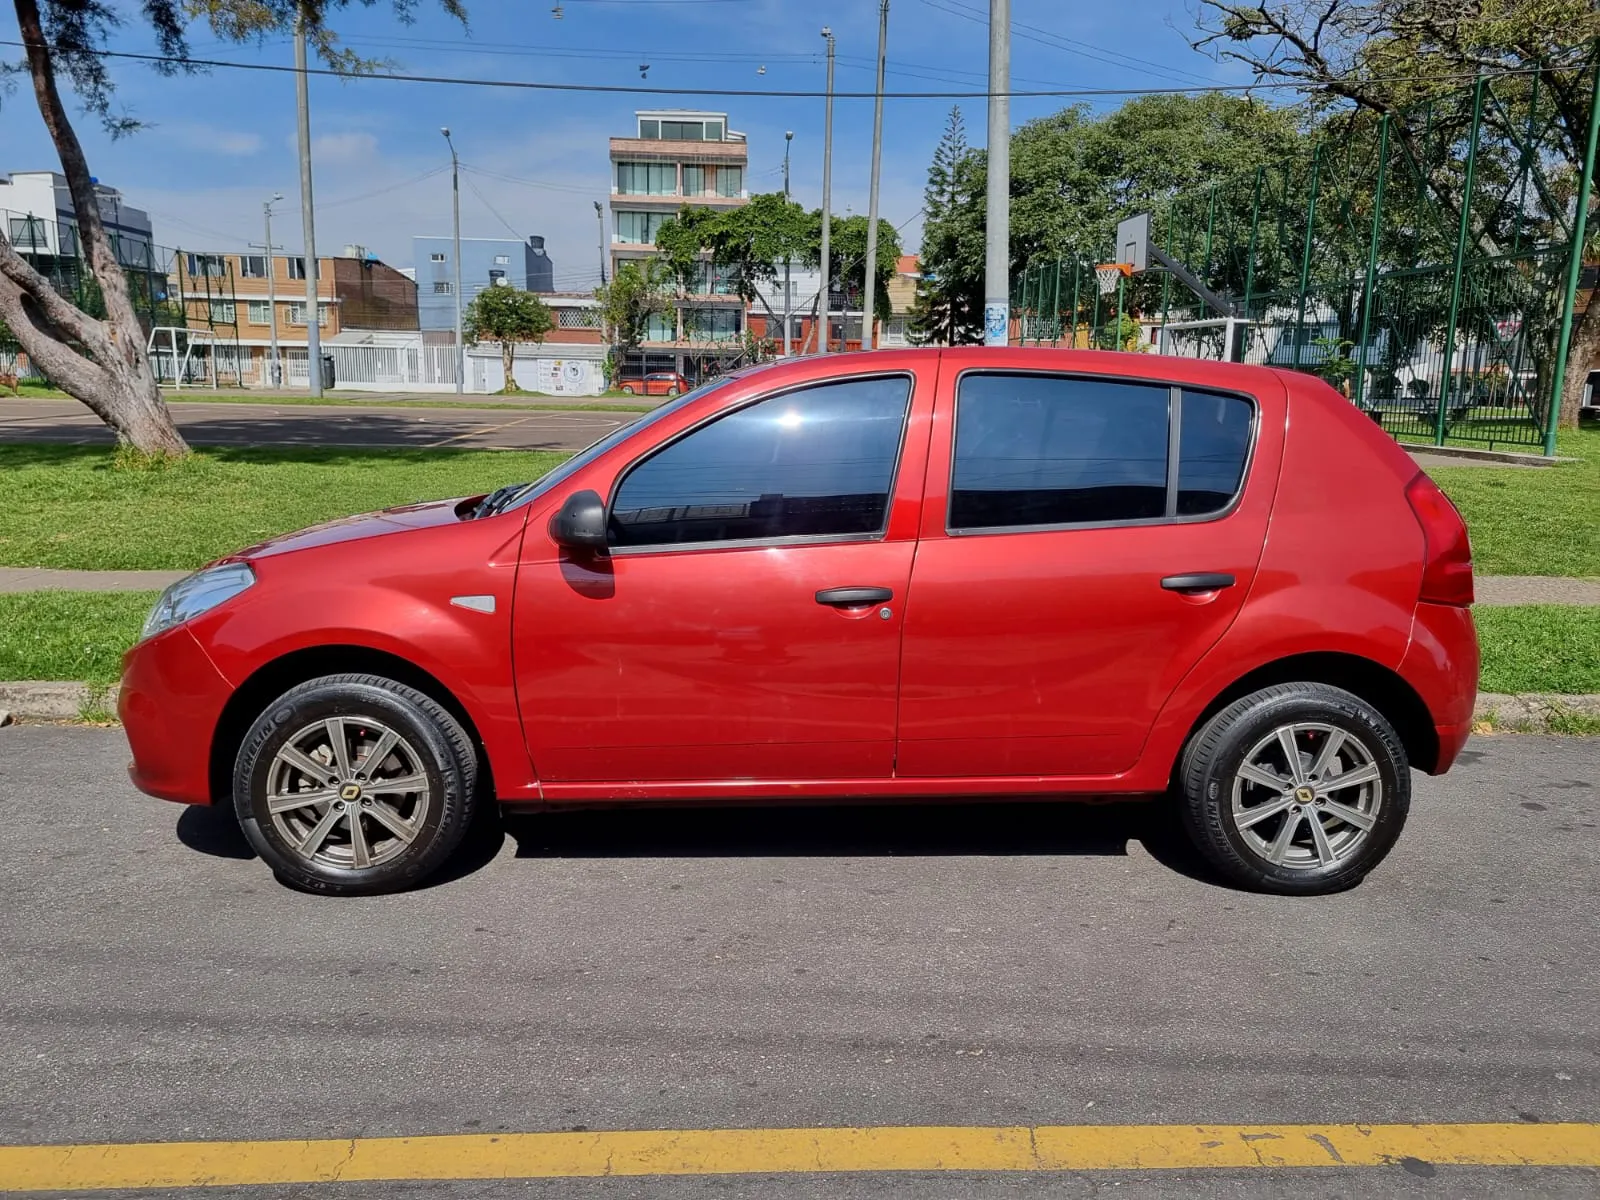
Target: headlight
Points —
{"points": [[198, 593]]}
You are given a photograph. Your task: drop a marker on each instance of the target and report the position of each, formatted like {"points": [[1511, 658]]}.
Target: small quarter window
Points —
{"points": [[1213, 442], [818, 462]]}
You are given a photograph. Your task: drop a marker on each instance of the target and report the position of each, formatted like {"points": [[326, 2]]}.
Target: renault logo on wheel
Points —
{"points": [[1304, 794], [350, 791]]}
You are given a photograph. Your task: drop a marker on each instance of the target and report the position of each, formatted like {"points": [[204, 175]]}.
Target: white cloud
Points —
{"points": [[335, 149], [235, 142]]}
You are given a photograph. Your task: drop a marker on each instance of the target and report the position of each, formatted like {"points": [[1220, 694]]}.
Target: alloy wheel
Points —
{"points": [[348, 792], [1307, 796]]}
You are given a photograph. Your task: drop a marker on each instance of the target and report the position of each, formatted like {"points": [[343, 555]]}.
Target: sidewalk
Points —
{"points": [[1495, 591]]}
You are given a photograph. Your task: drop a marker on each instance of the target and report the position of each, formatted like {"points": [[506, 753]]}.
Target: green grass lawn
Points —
{"points": [[69, 635], [1533, 521], [75, 507], [523, 401], [1539, 648]]}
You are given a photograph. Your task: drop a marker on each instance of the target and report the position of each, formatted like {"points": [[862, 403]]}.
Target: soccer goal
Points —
{"points": [[1223, 339]]}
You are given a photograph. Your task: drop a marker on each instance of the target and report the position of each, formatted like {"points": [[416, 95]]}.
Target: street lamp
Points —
{"points": [[455, 190], [788, 139], [274, 368], [600, 216], [827, 182]]}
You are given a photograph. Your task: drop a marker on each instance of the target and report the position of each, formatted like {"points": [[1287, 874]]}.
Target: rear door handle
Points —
{"points": [[1197, 582], [854, 597]]}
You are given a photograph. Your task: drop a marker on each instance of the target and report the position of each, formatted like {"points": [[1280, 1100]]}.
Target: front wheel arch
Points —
{"points": [[278, 676]]}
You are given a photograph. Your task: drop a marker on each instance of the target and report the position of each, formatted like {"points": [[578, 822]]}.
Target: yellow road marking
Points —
{"points": [[770, 1151]]}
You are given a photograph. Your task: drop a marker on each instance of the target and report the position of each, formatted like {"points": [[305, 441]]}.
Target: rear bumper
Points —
{"points": [[171, 698], [1441, 663]]}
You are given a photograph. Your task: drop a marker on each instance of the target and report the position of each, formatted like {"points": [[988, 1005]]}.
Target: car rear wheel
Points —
{"points": [[627, 390], [1299, 789], [354, 784]]}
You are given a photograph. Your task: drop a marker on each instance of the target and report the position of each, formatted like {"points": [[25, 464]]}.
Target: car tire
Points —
{"points": [[336, 821], [1311, 827], [626, 390]]}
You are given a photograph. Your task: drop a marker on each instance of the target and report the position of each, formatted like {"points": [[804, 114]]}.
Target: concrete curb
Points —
{"points": [[1525, 713]]}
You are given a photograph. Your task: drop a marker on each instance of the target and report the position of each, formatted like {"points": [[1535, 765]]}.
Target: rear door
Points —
{"points": [[1085, 540]]}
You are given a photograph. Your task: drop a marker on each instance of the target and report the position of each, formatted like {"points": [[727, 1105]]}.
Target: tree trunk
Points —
{"points": [[101, 363], [1582, 356], [508, 357]]}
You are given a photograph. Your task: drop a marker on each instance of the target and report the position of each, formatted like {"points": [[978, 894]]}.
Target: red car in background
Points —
{"points": [[920, 573], [667, 383]]}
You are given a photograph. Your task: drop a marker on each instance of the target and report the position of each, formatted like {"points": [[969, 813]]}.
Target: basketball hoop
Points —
{"points": [[1108, 275]]}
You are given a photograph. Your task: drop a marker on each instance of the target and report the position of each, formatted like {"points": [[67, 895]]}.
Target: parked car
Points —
{"points": [[902, 574], [668, 383]]}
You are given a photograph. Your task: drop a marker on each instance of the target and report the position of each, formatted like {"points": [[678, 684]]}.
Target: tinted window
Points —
{"points": [[813, 463], [1212, 443], [1047, 450]]}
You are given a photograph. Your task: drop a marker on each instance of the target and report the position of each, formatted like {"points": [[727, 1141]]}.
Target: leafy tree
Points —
{"points": [[507, 315], [1407, 59], [949, 304], [637, 292], [101, 360]]}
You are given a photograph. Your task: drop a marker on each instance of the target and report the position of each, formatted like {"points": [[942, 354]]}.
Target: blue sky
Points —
{"points": [[218, 144]]}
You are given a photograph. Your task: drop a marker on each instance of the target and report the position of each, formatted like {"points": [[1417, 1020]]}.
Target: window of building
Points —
{"points": [[28, 233], [253, 266], [661, 327], [711, 324], [297, 314], [577, 318], [502, 260], [1213, 441], [260, 312], [713, 131], [640, 227], [730, 180], [443, 287], [222, 312], [816, 463], [647, 179], [496, 278], [694, 181], [437, 257], [206, 265], [683, 131], [1052, 450], [649, 129]]}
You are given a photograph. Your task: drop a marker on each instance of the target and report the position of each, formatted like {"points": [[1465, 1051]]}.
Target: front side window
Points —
{"points": [[1051, 450], [816, 463]]}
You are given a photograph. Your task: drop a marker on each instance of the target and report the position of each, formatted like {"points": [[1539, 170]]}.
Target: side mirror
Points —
{"points": [[580, 523]]}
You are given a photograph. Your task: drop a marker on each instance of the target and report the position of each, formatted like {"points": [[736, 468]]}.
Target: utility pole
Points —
{"points": [[868, 299], [308, 219], [825, 302], [600, 216], [997, 233], [274, 367], [455, 193], [788, 139]]}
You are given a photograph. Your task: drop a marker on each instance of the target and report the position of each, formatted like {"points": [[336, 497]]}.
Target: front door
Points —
{"points": [[745, 624], [1085, 541]]}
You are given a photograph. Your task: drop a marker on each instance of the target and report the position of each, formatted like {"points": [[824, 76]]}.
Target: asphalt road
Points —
{"points": [[307, 425], [791, 967]]}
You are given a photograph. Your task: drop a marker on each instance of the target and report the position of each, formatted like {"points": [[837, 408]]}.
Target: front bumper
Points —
{"points": [[172, 696]]}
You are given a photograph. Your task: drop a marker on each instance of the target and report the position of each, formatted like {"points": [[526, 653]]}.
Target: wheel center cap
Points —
{"points": [[1304, 794], [350, 791]]}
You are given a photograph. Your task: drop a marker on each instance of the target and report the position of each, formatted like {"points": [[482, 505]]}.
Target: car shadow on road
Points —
{"points": [[859, 830]]}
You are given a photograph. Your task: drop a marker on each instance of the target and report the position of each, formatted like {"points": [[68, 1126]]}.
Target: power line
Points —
{"points": [[491, 207], [1304, 85]]}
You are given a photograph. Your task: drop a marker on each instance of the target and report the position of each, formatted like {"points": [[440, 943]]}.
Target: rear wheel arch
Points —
{"points": [[1378, 685], [275, 678]]}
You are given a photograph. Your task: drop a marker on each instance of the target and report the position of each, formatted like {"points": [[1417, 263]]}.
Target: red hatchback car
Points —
{"points": [[666, 383], [922, 573]]}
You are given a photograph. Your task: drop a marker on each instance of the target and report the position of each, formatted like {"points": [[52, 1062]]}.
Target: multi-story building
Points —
{"points": [[224, 298], [485, 262], [40, 218], [678, 157]]}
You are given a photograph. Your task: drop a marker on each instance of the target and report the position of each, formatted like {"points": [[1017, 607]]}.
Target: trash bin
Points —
{"points": [[328, 379]]}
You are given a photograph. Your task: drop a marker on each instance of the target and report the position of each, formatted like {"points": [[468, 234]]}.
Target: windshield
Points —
{"points": [[521, 493]]}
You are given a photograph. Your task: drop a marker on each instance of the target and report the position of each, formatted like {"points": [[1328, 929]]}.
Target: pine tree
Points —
{"points": [[944, 312]]}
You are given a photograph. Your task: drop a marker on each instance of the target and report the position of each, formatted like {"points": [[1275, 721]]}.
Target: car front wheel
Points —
{"points": [[354, 784], [1300, 789]]}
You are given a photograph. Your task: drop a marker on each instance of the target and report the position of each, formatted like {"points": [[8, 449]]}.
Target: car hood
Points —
{"points": [[358, 528]]}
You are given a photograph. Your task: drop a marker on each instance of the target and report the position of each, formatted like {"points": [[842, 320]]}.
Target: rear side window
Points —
{"points": [[1213, 440], [818, 462], [1054, 450], [1050, 450]]}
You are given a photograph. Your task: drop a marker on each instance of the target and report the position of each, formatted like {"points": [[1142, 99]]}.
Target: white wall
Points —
{"points": [[551, 370]]}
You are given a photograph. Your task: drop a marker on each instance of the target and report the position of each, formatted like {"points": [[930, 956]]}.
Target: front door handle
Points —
{"points": [[1198, 582], [854, 597]]}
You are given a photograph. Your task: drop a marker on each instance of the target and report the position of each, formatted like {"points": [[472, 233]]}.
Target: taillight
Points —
{"points": [[1446, 553]]}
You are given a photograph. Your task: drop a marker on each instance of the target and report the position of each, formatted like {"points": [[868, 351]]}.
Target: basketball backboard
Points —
{"points": [[1133, 241]]}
